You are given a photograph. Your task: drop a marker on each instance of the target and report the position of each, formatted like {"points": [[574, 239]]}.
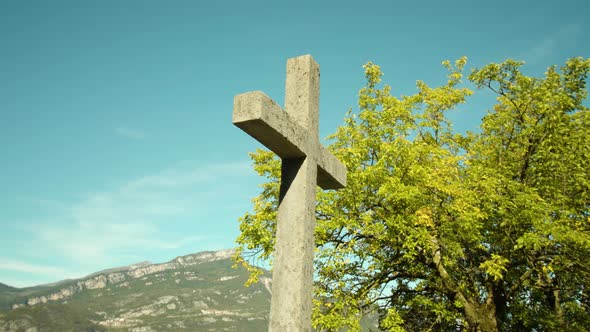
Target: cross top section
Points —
{"points": [[292, 133]]}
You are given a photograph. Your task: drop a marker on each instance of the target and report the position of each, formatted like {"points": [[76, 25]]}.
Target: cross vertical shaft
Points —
{"points": [[292, 287]]}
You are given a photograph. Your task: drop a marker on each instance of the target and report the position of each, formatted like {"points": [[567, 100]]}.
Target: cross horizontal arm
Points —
{"points": [[262, 118], [331, 172]]}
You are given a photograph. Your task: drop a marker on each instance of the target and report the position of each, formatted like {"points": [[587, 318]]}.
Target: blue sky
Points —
{"points": [[116, 141]]}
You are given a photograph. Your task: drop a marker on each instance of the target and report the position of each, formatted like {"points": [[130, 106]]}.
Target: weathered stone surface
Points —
{"points": [[37, 300], [63, 293], [99, 281], [263, 119], [115, 278], [293, 135]]}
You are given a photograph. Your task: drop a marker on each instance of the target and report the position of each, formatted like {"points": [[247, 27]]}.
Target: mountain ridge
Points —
{"points": [[115, 275], [201, 291]]}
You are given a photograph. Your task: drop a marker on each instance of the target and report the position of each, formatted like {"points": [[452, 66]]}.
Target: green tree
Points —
{"points": [[443, 231]]}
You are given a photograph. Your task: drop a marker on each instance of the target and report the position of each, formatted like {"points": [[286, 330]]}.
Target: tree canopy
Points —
{"points": [[445, 231]]}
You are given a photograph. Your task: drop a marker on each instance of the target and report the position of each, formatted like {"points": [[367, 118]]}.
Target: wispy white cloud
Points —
{"points": [[143, 214], [134, 134]]}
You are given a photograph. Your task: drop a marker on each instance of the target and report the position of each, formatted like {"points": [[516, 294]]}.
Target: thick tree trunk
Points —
{"points": [[481, 317], [554, 299]]}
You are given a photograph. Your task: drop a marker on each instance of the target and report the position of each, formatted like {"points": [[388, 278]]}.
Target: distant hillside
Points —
{"points": [[200, 292], [8, 295], [6, 288]]}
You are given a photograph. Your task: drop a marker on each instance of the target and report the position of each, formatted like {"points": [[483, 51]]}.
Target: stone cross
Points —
{"points": [[293, 135]]}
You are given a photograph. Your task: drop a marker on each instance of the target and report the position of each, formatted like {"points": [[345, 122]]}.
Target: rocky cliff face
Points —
{"points": [[193, 292], [133, 271]]}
